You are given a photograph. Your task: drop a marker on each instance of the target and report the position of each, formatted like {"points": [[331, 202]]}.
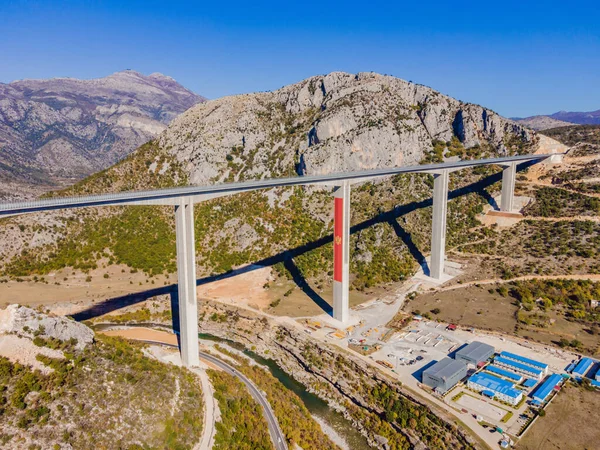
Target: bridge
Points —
{"points": [[184, 198]]}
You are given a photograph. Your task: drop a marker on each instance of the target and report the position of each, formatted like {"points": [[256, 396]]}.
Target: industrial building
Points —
{"points": [[475, 353], [521, 369], [582, 367], [527, 361], [496, 370], [492, 386], [541, 393], [444, 374]]}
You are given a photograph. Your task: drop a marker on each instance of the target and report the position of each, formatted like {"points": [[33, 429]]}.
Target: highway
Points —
{"points": [[277, 435], [172, 196]]}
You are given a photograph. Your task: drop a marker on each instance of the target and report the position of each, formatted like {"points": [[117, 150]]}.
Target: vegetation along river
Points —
{"points": [[317, 407]]}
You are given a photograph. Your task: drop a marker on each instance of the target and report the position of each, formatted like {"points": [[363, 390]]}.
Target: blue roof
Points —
{"points": [[495, 384], [504, 373], [522, 359], [570, 368], [518, 365], [529, 382], [542, 392], [583, 366], [595, 383], [488, 393]]}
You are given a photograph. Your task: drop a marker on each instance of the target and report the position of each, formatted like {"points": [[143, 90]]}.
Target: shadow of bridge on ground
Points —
{"points": [[286, 257]]}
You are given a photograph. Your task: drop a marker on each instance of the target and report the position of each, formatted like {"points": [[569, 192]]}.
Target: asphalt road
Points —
{"points": [[170, 196], [276, 434]]}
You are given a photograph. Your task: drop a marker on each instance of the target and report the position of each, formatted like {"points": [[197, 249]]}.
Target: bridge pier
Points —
{"points": [[438, 226], [186, 282], [507, 198], [341, 252]]}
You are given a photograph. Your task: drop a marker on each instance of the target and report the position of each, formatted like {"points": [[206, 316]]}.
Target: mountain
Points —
{"points": [[539, 123], [59, 130], [338, 122], [561, 119], [332, 123]]}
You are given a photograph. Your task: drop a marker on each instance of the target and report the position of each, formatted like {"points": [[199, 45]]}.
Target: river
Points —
{"points": [[317, 407]]}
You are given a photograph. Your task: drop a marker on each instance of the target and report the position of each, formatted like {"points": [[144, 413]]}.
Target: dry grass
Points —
{"points": [[569, 423], [477, 307]]}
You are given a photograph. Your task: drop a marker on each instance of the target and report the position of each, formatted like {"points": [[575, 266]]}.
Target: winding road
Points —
{"points": [[277, 435]]}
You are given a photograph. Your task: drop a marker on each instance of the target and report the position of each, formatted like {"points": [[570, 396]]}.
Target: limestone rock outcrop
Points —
{"points": [[337, 122], [27, 322]]}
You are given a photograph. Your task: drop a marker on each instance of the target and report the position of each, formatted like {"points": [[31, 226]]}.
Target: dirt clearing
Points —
{"points": [[474, 306]]}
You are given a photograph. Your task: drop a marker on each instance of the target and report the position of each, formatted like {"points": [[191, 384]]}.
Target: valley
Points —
{"points": [[521, 281]]}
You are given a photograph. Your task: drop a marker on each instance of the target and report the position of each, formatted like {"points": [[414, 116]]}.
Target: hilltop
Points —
{"points": [[54, 132], [63, 388]]}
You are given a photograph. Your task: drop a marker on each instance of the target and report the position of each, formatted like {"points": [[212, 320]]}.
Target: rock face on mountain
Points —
{"points": [[332, 123], [64, 128], [26, 322]]}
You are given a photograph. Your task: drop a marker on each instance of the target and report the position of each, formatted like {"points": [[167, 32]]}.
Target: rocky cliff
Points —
{"points": [[26, 322], [63, 129], [332, 123]]}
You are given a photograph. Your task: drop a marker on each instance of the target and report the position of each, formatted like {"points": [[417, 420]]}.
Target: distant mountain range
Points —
{"points": [[561, 119], [56, 131]]}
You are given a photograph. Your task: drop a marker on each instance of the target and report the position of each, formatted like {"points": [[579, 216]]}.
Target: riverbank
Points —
{"points": [[333, 425]]}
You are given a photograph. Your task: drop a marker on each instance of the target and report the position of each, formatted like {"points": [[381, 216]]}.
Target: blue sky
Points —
{"points": [[518, 58]]}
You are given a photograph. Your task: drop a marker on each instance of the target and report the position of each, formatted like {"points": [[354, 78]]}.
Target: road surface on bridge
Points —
{"points": [[171, 196]]}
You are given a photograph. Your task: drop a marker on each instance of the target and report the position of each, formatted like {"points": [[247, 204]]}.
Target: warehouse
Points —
{"points": [[527, 361], [493, 386], [541, 393], [514, 377], [475, 353], [521, 369], [582, 367], [444, 374]]}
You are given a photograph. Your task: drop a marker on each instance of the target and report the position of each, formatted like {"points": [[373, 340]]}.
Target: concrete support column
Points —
{"points": [[341, 253], [186, 281], [508, 187], [438, 226]]}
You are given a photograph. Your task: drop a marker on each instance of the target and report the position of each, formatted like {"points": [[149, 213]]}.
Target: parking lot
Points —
{"points": [[482, 408]]}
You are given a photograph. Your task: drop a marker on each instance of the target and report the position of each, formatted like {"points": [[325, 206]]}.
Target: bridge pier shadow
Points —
{"points": [[306, 288], [412, 248]]}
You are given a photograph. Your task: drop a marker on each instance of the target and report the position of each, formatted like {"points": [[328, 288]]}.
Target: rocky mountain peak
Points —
{"points": [[336, 122], [59, 130]]}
